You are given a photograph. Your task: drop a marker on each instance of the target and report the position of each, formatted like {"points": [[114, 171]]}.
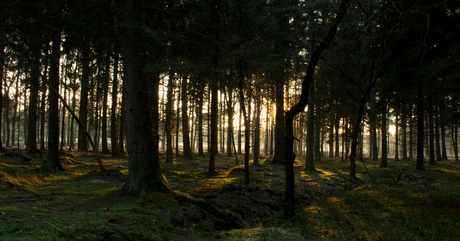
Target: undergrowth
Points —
{"points": [[82, 203]]}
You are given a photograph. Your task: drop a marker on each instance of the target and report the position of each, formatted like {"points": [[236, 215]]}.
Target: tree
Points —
{"points": [[145, 172], [187, 153], [300, 106], [113, 114], [2, 63], [52, 160]]}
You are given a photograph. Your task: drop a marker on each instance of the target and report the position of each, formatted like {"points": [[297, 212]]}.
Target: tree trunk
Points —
{"points": [[257, 131], [142, 126], [105, 89], [63, 143], [411, 133], [437, 127], [187, 152], [2, 64], [33, 101], [456, 140], [169, 115], [280, 132], [121, 142], [309, 161], [246, 125], [43, 108], [397, 136], [199, 111], [52, 161], [289, 209], [214, 119], [331, 132], [317, 147], [230, 121], [384, 160], [113, 114], [86, 72], [431, 140], [443, 132], [404, 132], [177, 119], [239, 131], [420, 128]]}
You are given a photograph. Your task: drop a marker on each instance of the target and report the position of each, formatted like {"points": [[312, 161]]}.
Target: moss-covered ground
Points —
{"points": [[82, 203]]}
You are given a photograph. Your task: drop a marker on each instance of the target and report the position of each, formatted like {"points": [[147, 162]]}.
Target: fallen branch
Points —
{"points": [[54, 226]]}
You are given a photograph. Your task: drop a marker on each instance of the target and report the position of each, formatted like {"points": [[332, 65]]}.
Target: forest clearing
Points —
{"points": [[83, 203]]}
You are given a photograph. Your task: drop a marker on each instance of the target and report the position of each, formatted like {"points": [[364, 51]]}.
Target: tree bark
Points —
{"points": [[309, 161], [397, 136], [199, 111], [43, 108], [384, 160], [52, 161], [142, 126], [420, 128], [33, 101], [230, 121], [105, 89], [113, 114], [187, 152], [86, 72], [169, 114], [2, 64], [121, 141], [431, 137], [289, 209], [257, 130]]}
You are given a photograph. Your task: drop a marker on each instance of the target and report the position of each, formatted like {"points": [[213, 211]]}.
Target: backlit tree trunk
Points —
{"points": [[141, 116], [52, 160]]}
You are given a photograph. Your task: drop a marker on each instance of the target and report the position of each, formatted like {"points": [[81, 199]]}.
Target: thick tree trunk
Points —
{"points": [[52, 161], [142, 126]]}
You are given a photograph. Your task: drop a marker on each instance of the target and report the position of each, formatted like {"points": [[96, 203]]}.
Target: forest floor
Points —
{"points": [[82, 203]]}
